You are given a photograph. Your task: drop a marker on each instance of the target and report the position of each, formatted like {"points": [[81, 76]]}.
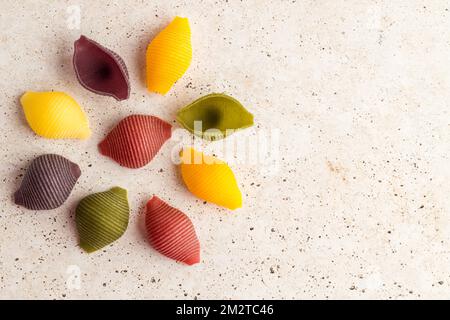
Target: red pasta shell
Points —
{"points": [[171, 232], [135, 140]]}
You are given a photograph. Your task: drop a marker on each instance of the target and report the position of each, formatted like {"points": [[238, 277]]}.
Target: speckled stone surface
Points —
{"points": [[358, 205]]}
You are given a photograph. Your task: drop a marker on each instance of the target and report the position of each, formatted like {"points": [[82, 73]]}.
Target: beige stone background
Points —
{"points": [[356, 205]]}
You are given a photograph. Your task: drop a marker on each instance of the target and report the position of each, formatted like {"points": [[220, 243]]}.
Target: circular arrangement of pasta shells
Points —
{"points": [[171, 232], [55, 115], [136, 140], [210, 179], [100, 70], [102, 218], [169, 56], [48, 182], [217, 116]]}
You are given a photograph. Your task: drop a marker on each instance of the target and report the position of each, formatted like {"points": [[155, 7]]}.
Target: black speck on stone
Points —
{"points": [[251, 228]]}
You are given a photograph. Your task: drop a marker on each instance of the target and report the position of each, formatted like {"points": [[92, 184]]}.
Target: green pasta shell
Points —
{"points": [[102, 218], [220, 116]]}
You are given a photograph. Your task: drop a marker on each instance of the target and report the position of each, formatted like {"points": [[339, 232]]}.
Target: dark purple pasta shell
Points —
{"points": [[100, 70], [47, 183]]}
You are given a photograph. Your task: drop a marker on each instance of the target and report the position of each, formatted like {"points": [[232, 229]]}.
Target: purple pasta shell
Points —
{"points": [[48, 182], [100, 70]]}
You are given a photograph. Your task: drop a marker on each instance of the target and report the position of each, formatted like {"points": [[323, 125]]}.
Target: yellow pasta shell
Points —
{"points": [[55, 115], [210, 179], [169, 56]]}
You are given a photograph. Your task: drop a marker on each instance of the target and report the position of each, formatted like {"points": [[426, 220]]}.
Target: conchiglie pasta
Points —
{"points": [[169, 56], [100, 70], [102, 218], [136, 140], [214, 116], [210, 179], [171, 232], [55, 115], [48, 182]]}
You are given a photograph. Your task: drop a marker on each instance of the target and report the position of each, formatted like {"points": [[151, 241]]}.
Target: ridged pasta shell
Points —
{"points": [[48, 182], [55, 115], [102, 218], [135, 140], [100, 70], [171, 232], [169, 56], [217, 114], [210, 179]]}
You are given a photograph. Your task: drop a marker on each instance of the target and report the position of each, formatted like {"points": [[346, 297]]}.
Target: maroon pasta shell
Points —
{"points": [[135, 140], [100, 70], [171, 232], [48, 182]]}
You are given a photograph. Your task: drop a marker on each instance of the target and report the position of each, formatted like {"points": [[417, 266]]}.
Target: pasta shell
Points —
{"points": [[136, 140], [218, 115], [55, 115], [102, 218], [171, 232], [210, 179], [100, 70], [48, 182], [169, 56]]}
